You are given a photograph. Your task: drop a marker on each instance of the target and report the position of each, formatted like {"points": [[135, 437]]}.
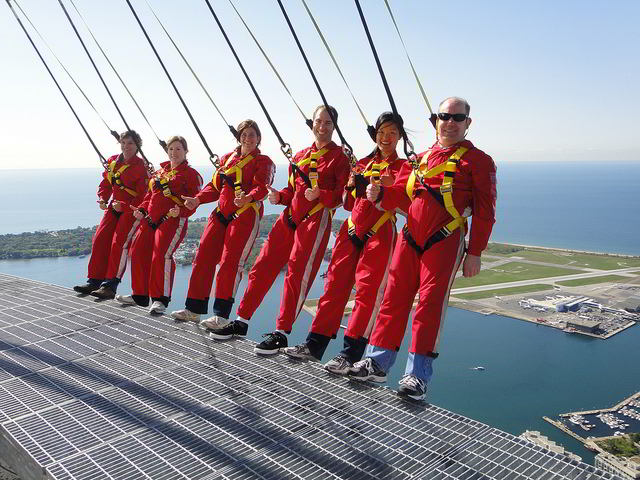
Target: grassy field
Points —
{"points": [[511, 272], [601, 262], [590, 281], [536, 287]]}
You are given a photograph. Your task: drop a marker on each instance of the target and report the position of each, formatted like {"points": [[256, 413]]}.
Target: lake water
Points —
{"points": [[531, 370]]}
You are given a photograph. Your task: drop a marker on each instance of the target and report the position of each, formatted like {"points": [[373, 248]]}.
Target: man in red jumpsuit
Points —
{"points": [[125, 182], [164, 220], [239, 186], [462, 181], [299, 237], [361, 256]]}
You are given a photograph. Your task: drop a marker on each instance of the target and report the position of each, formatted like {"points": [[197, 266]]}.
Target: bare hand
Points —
{"points": [[136, 213], [373, 192], [190, 202], [312, 193], [386, 179], [241, 200], [174, 212], [117, 206], [102, 203], [471, 265], [273, 196], [352, 180]]}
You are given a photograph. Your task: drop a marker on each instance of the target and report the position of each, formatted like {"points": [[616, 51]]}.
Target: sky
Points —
{"points": [[542, 77]]}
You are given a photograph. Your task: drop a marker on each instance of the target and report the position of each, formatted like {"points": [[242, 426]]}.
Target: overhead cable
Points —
{"points": [[101, 157], [212, 156], [370, 128], [231, 128], [162, 143], [307, 120], [345, 145]]}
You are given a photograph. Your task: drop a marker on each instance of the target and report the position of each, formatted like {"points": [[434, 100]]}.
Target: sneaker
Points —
{"points": [[157, 307], [367, 369], [412, 387], [340, 365], [215, 322], [87, 288], [272, 344], [125, 299], [301, 352], [186, 315], [235, 328], [104, 292]]}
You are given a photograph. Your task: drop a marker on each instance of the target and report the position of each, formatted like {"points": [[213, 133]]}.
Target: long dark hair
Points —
{"points": [[386, 117]]}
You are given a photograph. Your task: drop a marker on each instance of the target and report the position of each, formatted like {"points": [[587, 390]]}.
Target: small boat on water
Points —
{"points": [[479, 367]]}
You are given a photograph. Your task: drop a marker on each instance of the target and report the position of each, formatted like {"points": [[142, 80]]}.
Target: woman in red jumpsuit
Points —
{"points": [[361, 256], [299, 237], [163, 219], [125, 182], [239, 186]]}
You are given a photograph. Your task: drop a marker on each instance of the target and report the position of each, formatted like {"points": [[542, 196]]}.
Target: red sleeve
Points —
{"points": [[483, 188], [193, 185], [141, 186], [144, 204], [333, 198], [395, 196], [104, 189], [265, 171], [208, 194]]}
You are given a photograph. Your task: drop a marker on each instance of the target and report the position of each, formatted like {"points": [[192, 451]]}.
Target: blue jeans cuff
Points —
{"points": [[383, 357]]}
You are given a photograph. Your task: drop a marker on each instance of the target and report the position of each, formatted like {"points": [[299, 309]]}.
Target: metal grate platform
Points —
{"points": [[93, 390]]}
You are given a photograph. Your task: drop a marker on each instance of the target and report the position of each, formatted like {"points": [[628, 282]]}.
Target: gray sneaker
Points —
{"points": [[412, 387], [185, 315], [301, 352], [367, 369], [125, 299], [339, 365], [157, 307], [214, 322]]}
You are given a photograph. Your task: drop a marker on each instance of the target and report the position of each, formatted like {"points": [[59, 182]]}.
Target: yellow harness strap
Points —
{"points": [[446, 189], [241, 210], [114, 177], [313, 167], [388, 215], [376, 169], [163, 181]]}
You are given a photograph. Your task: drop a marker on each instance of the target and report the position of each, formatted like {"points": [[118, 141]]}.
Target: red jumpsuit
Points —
{"points": [[431, 274], [227, 240], [298, 239], [152, 264], [112, 238], [366, 266]]}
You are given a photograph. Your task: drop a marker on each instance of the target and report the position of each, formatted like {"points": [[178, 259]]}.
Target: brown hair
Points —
{"points": [[133, 135], [333, 113], [178, 138], [248, 124]]}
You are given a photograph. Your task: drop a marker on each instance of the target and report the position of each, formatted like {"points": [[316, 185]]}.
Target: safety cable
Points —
{"points": [[424, 95], [162, 143], [408, 146], [231, 128], [213, 158], [284, 147], [308, 121], [102, 159], [370, 128], [24, 14], [348, 151]]}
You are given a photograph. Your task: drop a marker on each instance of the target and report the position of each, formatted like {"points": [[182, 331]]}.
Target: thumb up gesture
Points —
{"points": [[273, 196]]}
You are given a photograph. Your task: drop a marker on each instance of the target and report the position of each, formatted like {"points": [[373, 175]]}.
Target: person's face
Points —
{"points": [[128, 147], [451, 132], [323, 127], [176, 152], [249, 140], [387, 138]]}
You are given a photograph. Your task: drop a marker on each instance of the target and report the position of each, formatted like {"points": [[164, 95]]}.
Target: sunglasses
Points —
{"points": [[457, 117]]}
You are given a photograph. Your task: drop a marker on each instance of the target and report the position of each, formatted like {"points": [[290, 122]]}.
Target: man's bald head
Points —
{"points": [[467, 107]]}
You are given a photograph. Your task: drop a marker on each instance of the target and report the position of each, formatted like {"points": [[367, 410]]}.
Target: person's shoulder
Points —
{"points": [[477, 154]]}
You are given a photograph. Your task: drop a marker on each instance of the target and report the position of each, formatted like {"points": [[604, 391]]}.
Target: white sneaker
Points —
{"points": [[214, 322], [186, 315], [157, 307], [125, 299]]}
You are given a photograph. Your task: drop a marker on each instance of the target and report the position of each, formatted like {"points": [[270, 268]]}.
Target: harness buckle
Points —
{"points": [[447, 188]]}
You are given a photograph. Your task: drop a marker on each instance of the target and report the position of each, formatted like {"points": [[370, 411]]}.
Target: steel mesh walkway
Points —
{"points": [[94, 390]]}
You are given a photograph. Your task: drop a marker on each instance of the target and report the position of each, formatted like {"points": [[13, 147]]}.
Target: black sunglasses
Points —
{"points": [[457, 117]]}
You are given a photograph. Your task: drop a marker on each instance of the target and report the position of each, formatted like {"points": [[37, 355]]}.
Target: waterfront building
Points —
{"points": [[628, 469], [536, 437], [583, 324]]}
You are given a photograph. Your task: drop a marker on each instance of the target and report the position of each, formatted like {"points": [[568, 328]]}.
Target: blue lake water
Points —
{"points": [[531, 370]]}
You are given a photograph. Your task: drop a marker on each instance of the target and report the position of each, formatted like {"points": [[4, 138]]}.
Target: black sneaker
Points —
{"points": [[272, 343], [412, 387], [87, 288], [301, 352], [340, 365], [104, 292], [235, 328], [367, 369]]}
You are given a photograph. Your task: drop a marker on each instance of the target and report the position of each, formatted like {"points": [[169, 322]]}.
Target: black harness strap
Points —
{"points": [[101, 157], [433, 239]]}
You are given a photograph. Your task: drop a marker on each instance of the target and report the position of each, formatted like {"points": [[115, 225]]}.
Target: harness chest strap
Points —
{"points": [[374, 172], [311, 160], [163, 183], [114, 177]]}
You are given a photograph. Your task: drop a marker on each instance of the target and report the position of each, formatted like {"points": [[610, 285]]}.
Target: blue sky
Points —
{"points": [[547, 80]]}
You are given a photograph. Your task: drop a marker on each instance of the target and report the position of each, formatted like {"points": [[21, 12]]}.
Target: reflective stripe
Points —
{"points": [[168, 256], [125, 249], [245, 253]]}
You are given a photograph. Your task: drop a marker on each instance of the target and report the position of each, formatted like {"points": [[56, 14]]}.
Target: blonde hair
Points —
{"points": [[178, 138]]}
